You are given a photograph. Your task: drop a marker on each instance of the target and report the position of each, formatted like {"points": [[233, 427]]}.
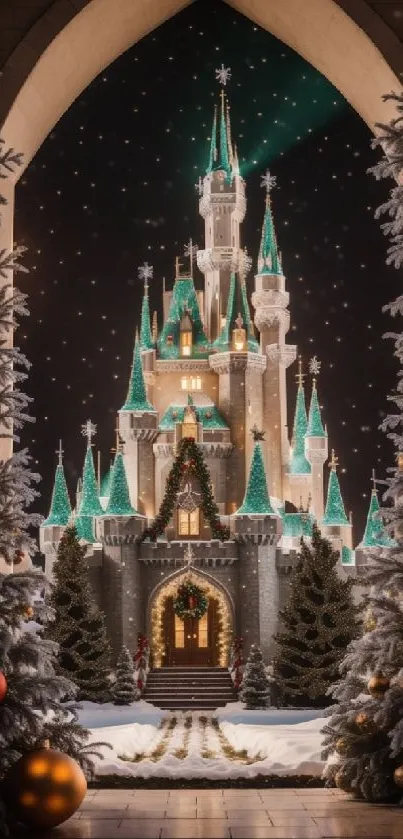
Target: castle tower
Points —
{"points": [[52, 529], [88, 503], [335, 524], [299, 468], [258, 529], [138, 428], [316, 451], [222, 205], [374, 534], [272, 318]]}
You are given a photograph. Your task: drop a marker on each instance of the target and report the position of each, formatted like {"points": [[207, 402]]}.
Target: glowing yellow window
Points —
{"points": [[203, 632], [179, 633], [186, 343], [189, 523], [184, 383]]}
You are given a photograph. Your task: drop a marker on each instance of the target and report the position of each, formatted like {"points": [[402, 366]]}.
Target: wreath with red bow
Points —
{"points": [[190, 601]]}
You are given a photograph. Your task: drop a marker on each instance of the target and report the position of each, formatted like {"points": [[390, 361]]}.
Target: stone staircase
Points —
{"points": [[189, 688]]}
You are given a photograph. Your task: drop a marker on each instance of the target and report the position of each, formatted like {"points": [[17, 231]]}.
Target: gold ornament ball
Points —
{"points": [[364, 722], [378, 685], [342, 782], [44, 788], [398, 776], [341, 746]]}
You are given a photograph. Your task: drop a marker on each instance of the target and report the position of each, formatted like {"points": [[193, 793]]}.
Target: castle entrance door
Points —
{"points": [[191, 642]]}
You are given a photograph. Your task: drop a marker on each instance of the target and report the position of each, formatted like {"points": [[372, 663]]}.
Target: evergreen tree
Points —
{"points": [[365, 731], [124, 689], [78, 626], [318, 622], [255, 690]]}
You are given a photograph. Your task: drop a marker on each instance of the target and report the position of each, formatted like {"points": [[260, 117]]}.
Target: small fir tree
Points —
{"points": [[78, 625], [255, 690], [124, 689], [318, 622], [364, 737]]}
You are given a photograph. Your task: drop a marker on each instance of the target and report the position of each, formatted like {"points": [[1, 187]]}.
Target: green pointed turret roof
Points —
{"points": [[334, 512], [220, 149], [89, 503], [60, 508], [136, 399], [268, 260], [119, 499], [315, 426], [183, 302], [237, 303], [85, 528], [374, 535], [146, 338], [256, 500], [298, 462]]}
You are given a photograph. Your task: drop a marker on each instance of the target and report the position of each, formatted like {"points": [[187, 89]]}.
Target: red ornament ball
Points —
{"points": [[3, 686]]}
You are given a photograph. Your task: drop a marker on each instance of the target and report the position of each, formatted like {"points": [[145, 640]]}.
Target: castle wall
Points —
{"points": [[167, 386]]}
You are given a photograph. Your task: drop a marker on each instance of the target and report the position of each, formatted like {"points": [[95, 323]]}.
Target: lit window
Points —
{"points": [[192, 383], [186, 343], [189, 523], [203, 632], [179, 633]]}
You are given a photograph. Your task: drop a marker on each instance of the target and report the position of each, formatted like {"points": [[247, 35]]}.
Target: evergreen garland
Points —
{"points": [[189, 460]]}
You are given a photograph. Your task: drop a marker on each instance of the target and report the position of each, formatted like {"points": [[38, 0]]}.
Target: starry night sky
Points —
{"points": [[113, 186]]}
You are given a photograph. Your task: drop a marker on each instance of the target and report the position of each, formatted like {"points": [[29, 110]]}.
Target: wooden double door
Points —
{"points": [[192, 641]]}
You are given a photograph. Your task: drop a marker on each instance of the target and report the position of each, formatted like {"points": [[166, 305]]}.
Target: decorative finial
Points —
{"points": [[334, 462], [268, 181], [189, 555], [190, 250], [145, 272], [300, 375], [223, 75], [257, 433], [88, 430], [314, 367], [373, 481], [60, 454]]}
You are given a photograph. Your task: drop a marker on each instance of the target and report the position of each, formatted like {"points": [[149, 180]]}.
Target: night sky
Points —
{"points": [[113, 186]]}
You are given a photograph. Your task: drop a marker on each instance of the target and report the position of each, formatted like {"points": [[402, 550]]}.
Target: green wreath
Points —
{"points": [[190, 601]]}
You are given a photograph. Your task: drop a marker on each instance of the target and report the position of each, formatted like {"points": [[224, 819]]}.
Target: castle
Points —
{"points": [[206, 490]]}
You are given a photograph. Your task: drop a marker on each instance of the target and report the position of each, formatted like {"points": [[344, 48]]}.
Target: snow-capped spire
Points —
{"points": [[268, 260], [213, 144], [256, 500], [136, 399], [119, 499], [315, 425], [298, 462], [146, 338], [60, 507], [221, 151], [334, 512], [89, 502], [374, 535]]}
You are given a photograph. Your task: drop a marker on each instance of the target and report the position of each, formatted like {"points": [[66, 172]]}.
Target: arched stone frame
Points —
{"points": [[167, 587]]}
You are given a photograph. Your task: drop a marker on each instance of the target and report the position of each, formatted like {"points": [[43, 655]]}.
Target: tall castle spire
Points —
{"points": [[315, 425], [268, 259], [136, 399], [256, 500], [298, 462], [119, 499], [146, 338], [60, 508], [374, 535], [221, 152], [334, 512]]}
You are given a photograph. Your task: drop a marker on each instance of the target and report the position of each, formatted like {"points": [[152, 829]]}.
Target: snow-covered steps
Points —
{"points": [[189, 688]]}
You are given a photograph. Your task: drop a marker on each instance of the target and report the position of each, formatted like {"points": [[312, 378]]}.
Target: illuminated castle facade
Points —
{"points": [[208, 485]]}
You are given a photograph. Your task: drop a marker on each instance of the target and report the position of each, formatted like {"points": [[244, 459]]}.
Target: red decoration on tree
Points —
{"points": [[3, 686]]}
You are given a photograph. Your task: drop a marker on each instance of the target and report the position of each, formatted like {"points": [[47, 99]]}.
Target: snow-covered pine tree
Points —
{"points": [[124, 689], [364, 737], [255, 690], [78, 625], [318, 622]]}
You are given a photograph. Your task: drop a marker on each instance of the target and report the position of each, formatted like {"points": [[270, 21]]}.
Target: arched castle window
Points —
{"points": [[188, 522], [186, 339]]}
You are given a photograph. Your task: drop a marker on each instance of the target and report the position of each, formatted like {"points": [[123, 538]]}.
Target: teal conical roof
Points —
{"points": [[220, 149], [256, 500], [315, 427], [334, 512], [237, 303], [89, 503], [298, 462], [374, 535], [183, 302], [136, 399], [268, 260], [85, 528], [146, 338], [60, 508], [119, 499]]}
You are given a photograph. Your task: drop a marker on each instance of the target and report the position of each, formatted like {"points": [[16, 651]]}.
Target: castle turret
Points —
{"points": [[89, 504], [335, 524], [52, 529], [316, 451], [138, 428], [146, 337], [258, 529], [299, 467], [272, 318]]}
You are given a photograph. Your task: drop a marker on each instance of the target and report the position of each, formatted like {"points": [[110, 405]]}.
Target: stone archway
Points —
{"points": [[168, 588]]}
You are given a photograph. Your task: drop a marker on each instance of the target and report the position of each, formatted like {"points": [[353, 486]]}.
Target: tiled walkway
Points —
{"points": [[229, 814]]}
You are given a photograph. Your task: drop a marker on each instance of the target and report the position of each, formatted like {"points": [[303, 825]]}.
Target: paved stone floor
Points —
{"points": [[229, 814]]}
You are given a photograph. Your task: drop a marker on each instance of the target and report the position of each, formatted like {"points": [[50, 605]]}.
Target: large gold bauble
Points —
{"points": [[342, 782], [341, 746], [365, 723], [398, 776], [378, 685], [44, 788]]}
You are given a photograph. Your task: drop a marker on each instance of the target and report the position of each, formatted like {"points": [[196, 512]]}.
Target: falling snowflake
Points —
{"points": [[223, 75], [145, 271], [314, 366], [88, 430], [268, 181], [190, 250]]}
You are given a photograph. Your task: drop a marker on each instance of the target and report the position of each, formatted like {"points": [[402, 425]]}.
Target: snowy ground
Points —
{"points": [[229, 743]]}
